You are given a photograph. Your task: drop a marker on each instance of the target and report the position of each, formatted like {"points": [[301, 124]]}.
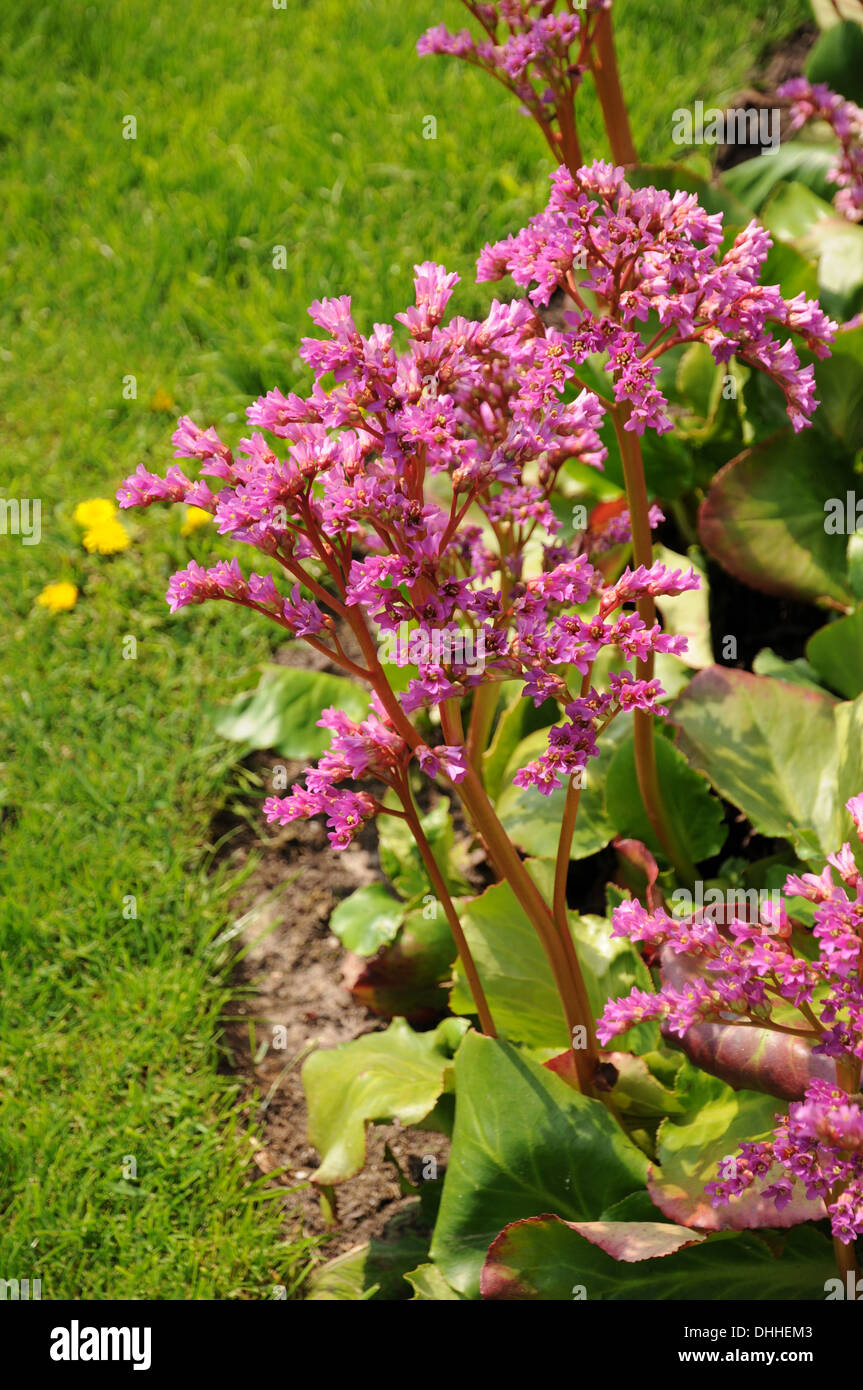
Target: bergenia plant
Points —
{"points": [[406, 501], [751, 980], [413, 486], [540, 50]]}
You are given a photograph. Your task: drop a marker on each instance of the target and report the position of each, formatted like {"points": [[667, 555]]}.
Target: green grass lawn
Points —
{"points": [[152, 258]]}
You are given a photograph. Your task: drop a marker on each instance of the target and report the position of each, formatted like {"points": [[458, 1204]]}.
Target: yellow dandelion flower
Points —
{"points": [[107, 537], [163, 401], [94, 511], [58, 598], [196, 517]]}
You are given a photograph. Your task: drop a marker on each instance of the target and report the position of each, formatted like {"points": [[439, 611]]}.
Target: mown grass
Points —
{"points": [[152, 258]]}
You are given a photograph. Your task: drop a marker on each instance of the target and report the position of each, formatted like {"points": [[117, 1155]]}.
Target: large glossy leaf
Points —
{"points": [[282, 712], [548, 1259], [789, 757], [524, 1144], [836, 652], [694, 811], [382, 1076], [517, 978], [763, 518], [514, 971], [690, 1148]]}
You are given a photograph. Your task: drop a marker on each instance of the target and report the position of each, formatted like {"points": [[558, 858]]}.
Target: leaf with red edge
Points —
{"points": [[690, 1149], [788, 756], [763, 518], [549, 1259]]}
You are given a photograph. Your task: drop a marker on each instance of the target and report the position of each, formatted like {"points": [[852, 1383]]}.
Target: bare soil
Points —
{"points": [[292, 978]]}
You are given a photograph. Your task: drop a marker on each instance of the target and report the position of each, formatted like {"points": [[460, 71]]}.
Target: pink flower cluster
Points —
{"points": [[749, 973], [643, 251], [408, 488], [742, 971], [819, 1143], [818, 103]]}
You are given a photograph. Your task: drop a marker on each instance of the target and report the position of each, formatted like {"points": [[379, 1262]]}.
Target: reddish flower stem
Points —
{"points": [[439, 885], [603, 64], [645, 750]]}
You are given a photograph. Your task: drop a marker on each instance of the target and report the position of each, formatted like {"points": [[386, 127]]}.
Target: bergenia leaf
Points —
{"points": [[691, 1147], [549, 1259]]}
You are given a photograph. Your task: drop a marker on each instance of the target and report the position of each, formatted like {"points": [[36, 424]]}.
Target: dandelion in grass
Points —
{"points": [[58, 598]]}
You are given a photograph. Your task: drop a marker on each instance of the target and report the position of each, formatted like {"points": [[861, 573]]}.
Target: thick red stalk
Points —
{"points": [[607, 78], [645, 750]]}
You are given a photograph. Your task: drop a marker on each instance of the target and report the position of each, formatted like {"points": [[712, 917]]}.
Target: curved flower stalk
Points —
{"points": [[400, 512], [751, 975], [818, 103], [624, 256], [540, 51]]}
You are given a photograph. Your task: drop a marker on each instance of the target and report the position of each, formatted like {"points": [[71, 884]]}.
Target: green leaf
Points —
{"points": [[407, 977], [764, 519], [840, 391], [755, 179], [524, 1144], [793, 213], [636, 1092], [367, 920], [798, 672], [836, 651], [690, 1148], [382, 1076], [376, 1270], [514, 971], [401, 860], [688, 614], [430, 1286], [532, 820], [837, 60], [516, 975], [518, 718], [789, 757], [693, 810], [282, 712], [549, 1259]]}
